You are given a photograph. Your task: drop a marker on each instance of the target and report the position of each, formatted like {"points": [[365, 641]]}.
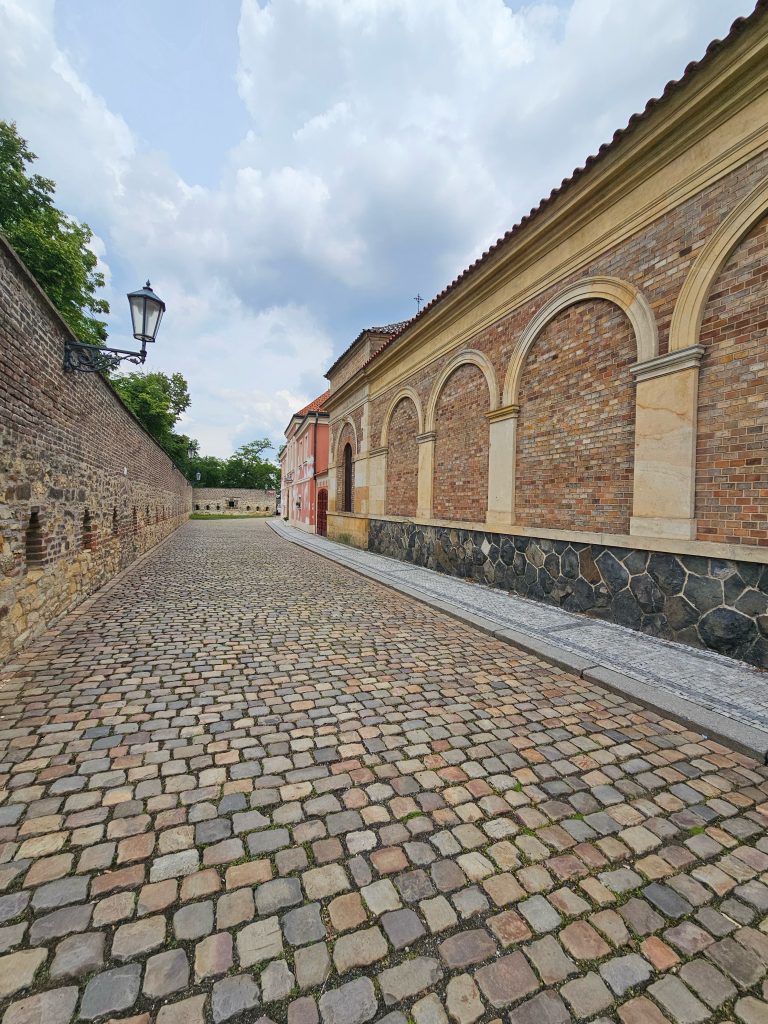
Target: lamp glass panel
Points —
{"points": [[137, 314], [153, 314]]}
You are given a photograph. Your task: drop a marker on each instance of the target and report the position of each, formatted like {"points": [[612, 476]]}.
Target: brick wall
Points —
{"points": [[403, 469], [656, 260], [731, 459], [460, 489], [576, 424], [346, 436], [84, 490], [216, 500]]}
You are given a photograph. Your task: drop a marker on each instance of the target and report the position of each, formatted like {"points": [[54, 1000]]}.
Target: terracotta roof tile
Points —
{"points": [[386, 329], [316, 405]]}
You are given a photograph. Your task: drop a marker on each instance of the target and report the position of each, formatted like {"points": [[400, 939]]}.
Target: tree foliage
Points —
{"points": [[54, 246], [158, 401], [246, 468]]}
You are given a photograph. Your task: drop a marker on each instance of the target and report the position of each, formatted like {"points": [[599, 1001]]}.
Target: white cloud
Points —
{"points": [[391, 141]]}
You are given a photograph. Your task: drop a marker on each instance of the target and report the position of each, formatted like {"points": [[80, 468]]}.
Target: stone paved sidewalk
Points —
{"points": [[247, 783], [729, 688]]}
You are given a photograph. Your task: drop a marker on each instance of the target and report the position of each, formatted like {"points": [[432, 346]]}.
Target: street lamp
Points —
{"points": [[146, 313]]}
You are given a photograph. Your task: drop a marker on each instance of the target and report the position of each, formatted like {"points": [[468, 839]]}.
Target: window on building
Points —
{"points": [[231, 504], [347, 478], [197, 508], [115, 522]]}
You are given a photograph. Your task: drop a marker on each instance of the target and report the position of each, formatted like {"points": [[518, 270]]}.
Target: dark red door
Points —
{"points": [[322, 512]]}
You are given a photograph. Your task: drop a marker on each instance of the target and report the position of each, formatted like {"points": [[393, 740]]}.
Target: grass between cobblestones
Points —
{"points": [[498, 838]]}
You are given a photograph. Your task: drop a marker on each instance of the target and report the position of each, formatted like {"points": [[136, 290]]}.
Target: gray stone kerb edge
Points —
{"points": [[736, 735]]}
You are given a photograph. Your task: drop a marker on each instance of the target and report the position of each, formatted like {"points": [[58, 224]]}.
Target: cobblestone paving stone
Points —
{"points": [[246, 783]]}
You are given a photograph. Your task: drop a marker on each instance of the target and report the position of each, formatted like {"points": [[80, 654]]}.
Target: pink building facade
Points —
{"points": [[304, 465]]}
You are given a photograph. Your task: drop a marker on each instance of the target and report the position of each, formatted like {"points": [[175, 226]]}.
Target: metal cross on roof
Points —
{"points": [[418, 300]]}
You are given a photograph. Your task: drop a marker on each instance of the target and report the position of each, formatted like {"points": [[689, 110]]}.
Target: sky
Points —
{"points": [[288, 172]]}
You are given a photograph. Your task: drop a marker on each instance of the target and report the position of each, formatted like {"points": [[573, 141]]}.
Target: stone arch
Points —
{"points": [[346, 422], [348, 479], [622, 294], [731, 465], [691, 304], [406, 392], [575, 396], [402, 426], [468, 356], [460, 465]]}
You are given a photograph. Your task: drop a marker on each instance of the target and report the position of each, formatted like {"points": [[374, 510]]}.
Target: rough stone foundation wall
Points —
{"points": [[707, 602], [247, 500], [84, 490]]}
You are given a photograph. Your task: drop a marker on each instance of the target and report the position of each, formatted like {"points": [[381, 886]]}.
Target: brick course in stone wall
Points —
{"points": [[84, 490]]}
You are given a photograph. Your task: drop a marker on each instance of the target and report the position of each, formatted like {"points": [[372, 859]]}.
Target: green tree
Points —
{"points": [[247, 468], [212, 471], [54, 246], [158, 401]]}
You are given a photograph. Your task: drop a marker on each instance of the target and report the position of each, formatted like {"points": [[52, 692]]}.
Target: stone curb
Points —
{"points": [[737, 735]]}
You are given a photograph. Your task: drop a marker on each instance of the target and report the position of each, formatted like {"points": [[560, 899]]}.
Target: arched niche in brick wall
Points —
{"points": [[731, 485], [346, 422], [402, 427], [468, 356], [624, 295], [691, 303], [406, 392], [459, 438]]}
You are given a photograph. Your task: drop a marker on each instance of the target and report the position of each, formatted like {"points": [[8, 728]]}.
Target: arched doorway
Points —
{"points": [[322, 512]]}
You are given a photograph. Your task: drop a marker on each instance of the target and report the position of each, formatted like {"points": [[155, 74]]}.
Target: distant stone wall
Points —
{"points": [[234, 501], [84, 490], [707, 602]]}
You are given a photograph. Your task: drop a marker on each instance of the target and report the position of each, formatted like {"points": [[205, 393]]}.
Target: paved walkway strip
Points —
{"points": [[249, 784], [719, 696]]}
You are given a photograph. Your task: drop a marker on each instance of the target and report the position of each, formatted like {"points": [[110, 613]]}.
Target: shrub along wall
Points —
{"points": [[84, 489]]}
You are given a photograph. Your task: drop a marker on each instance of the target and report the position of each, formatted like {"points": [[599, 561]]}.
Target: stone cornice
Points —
{"points": [[507, 412], [683, 359]]}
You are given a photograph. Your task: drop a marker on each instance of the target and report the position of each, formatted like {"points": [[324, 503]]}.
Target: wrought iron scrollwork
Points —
{"points": [[90, 359]]}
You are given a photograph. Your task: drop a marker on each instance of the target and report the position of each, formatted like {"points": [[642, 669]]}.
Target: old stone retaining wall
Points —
{"points": [[84, 489], [235, 501], [717, 603]]}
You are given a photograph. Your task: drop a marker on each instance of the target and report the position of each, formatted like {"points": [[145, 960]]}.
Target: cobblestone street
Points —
{"points": [[245, 782]]}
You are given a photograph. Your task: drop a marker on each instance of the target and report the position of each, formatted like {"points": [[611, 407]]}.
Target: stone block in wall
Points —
{"points": [[714, 603]]}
